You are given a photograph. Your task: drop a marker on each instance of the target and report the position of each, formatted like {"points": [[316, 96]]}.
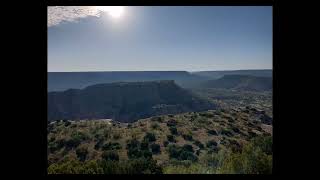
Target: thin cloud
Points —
{"points": [[59, 14]]}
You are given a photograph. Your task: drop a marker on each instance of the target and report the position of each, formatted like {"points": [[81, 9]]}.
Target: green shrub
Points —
{"points": [[143, 166], [214, 149], [193, 118], [75, 140], [133, 143], [136, 166], [98, 144], [171, 138], [171, 123], [215, 160], [55, 145], [116, 136], [180, 153], [146, 154], [92, 167], [165, 143], [256, 161], [235, 129], [98, 135], [264, 143], [138, 153], [235, 146], [72, 143], [150, 137], [199, 144], [155, 148], [252, 134], [134, 153], [110, 156], [187, 137], [259, 128], [203, 122], [211, 144], [185, 163], [173, 130], [226, 132], [194, 168], [230, 119], [111, 146], [212, 132], [68, 167], [107, 133], [251, 160], [138, 150], [82, 153], [174, 151], [52, 147], [155, 126], [158, 119], [51, 139], [188, 147], [186, 155], [207, 115], [67, 123], [76, 135], [144, 145]]}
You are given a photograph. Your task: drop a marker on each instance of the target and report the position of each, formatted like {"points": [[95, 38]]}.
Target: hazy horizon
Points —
{"points": [[161, 70], [193, 38]]}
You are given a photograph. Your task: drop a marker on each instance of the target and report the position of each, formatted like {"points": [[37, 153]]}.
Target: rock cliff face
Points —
{"points": [[61, 81], [124, 101]]}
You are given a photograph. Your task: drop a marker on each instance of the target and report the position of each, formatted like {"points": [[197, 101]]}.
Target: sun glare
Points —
{"points": [[113, 11]]}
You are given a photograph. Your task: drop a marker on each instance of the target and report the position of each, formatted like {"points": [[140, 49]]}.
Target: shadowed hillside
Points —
{"points": [[219, 74], [124, 101], [241, 82]]}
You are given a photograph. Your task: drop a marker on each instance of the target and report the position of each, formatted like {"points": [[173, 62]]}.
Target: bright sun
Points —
{"points": [[113, 11]]}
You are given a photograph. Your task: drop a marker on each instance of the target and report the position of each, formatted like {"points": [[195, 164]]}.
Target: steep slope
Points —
{"points": [[219, 74], [123, 101], [241, 82], [61, 81], [204, 135]]}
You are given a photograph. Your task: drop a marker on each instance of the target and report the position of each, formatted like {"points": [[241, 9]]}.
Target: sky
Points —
{"points": [[190, 38]]}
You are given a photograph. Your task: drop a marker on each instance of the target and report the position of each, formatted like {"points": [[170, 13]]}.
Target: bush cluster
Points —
{"points": [[182, 153], [136, 151], [136, 166]]}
